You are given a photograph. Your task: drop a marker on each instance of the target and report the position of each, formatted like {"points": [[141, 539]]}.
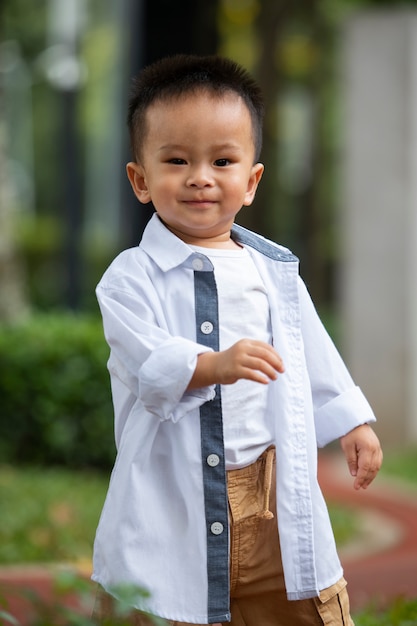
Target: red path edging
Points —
{"points": [[23, 589]]}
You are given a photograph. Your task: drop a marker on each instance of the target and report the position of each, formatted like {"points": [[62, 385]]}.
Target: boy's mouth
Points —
{"points": [[199, 202]]}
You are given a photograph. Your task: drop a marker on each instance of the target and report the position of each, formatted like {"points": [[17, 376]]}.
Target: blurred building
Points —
{"points": [[379, 221]]}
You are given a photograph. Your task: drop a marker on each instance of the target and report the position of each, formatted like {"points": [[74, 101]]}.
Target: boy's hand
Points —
{"points": [[363, 455], [248, 358]]}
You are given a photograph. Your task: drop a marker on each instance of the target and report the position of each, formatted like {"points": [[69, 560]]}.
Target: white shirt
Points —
{"points": [[152, 532]]}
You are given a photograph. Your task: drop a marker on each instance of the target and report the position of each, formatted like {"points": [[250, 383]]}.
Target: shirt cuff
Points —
{"points": [[165, 376], [341, 415]]}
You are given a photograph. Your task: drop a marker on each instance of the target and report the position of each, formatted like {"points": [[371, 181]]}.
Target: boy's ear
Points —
{"points": [[255, 177], [137, 178]]}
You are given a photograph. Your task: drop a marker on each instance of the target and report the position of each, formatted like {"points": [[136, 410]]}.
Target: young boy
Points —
{"points": [[219, 365]]}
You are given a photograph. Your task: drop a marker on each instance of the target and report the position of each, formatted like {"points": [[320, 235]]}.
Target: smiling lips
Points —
{"points": [[199, 202]]}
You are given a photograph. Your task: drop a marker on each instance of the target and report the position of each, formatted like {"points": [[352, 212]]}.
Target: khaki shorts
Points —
{"points": [[257, 593]]}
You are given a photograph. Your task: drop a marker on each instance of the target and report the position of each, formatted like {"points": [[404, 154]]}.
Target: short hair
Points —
{"points": [[172, 77]]}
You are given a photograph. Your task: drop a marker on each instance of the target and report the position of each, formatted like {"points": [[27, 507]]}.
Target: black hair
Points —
{"points": [[172, 77]]}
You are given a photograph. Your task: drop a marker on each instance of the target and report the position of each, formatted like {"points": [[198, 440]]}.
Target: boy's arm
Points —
{"points": [[340, 409], [249, 359], [363, 455]]}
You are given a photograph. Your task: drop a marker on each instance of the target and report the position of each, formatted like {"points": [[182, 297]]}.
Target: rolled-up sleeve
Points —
{"points": [[152, 363], [341, 415], [164, 378]]}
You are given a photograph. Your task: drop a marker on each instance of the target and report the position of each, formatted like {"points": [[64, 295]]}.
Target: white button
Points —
{"points": [[206, 328], [213, 460], [217, 528], [198, 264]]}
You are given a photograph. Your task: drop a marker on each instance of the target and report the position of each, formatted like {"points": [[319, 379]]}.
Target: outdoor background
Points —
{"points": [[65, 68], [65, 204], [66, 210]]}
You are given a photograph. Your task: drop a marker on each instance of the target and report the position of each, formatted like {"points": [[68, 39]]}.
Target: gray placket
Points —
{"points": [[212, 451]]}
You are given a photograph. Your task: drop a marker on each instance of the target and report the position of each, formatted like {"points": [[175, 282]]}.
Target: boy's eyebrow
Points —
{"points": [[171, 146], [221, 146]]}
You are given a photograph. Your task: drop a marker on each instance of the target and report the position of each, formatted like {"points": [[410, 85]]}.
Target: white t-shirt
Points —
{"points": [[243, 314]]}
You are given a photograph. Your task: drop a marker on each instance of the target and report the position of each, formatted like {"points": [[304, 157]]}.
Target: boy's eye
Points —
{"points": [[221, 162], [176, 161]]}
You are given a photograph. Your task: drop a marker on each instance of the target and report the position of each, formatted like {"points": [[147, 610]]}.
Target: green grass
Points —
{"points": [[401, 613], [48, 514], [401, 464], [344, 522]]}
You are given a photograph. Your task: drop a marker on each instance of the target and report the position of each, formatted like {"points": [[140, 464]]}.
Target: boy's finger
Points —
{"points": [[265, 367], [271, 356], [351, 459], [368, 467]]}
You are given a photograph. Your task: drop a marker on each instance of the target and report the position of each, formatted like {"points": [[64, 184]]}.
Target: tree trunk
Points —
{"points": [[13, 303]]}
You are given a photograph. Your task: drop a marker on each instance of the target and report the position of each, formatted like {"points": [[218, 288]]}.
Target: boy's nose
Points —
{"points": [[200, 177]]}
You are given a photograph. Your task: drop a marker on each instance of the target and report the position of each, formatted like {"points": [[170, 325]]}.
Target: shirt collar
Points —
{"points": [[168, 251]]}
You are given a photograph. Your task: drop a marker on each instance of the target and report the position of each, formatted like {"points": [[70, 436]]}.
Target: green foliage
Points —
{"points": [[401, 464], [71, 605], [382, 3], [344, 523], [56, 401], [400, 613], [41, 244], [49, 514]]}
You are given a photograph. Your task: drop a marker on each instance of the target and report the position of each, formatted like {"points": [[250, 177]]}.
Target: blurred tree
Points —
{"points": [[294, 60], [13, 301], [290, 50], [291, 46], [296, 63], [126, 35]]}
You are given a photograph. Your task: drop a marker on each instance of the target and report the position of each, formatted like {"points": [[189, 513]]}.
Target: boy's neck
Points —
{"points": [[230, 244], [222, 240]]}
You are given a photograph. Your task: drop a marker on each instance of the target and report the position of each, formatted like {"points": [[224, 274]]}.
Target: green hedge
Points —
{"points": [[55, 400]]}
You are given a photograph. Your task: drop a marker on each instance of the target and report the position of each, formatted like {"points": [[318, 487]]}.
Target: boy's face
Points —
{"points": [[197, 165]]}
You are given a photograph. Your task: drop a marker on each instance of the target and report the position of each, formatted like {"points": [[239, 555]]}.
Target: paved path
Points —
{"points": [[381, 564]]}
